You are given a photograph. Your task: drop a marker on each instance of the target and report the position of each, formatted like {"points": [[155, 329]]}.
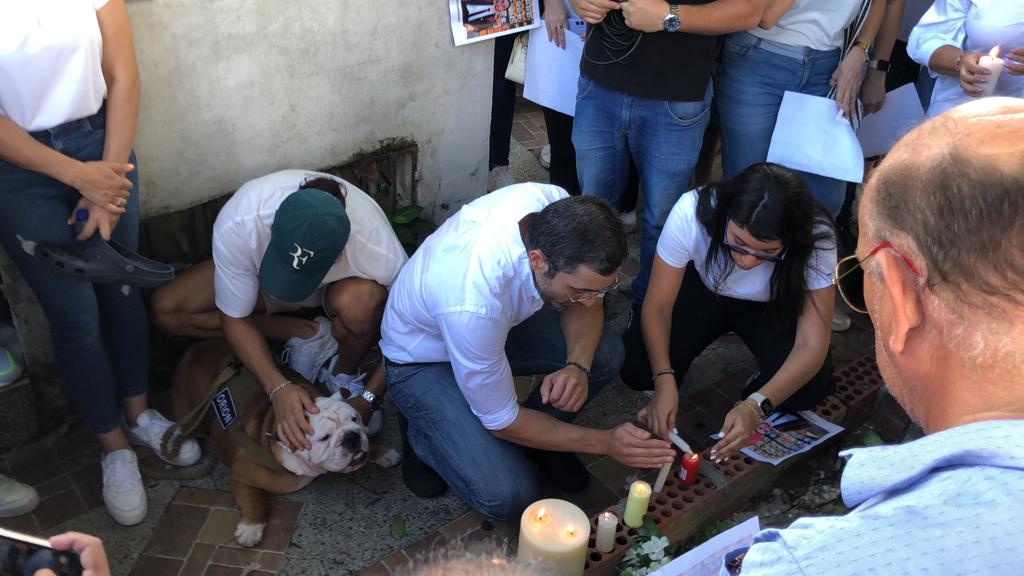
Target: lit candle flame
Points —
{"points": [[540, 514], [692, 456], [570, 531], [994, 53]]}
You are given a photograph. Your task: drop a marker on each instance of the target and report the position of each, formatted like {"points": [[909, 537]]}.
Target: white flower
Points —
{"points": [[655, 548]]}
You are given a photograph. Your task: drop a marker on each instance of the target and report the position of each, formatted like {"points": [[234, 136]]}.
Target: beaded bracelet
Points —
{"points": [[660, 373], [277, 389], [578, 365]]}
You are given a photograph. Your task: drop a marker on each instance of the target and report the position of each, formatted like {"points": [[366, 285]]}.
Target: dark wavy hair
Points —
{"points": [[771, 202], [578, 231]]}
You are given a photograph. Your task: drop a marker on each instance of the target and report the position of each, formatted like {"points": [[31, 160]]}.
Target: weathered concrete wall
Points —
{"points": [[234, 89]]}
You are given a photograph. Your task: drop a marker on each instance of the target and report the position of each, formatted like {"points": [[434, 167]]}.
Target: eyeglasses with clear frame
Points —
{"points": [[582, 295], [848, 265], [744, 252]]}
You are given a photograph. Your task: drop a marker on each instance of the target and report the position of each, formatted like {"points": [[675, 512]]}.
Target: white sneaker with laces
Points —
{"points": [[307, 356], [123, 492], [149, 431], [350, 386], [16, 498]]}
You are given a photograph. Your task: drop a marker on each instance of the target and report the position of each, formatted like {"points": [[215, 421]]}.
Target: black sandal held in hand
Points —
{"points": [[103, 261]]}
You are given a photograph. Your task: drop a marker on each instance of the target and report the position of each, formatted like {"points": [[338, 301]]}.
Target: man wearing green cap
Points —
{"points": [[291, 240]]}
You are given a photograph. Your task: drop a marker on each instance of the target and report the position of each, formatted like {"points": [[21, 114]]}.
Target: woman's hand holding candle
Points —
{"points": [[739, 424], [972, 75], [660, 413]]}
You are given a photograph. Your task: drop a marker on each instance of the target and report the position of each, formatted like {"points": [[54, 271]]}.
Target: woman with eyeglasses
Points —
{"points": [[753, 254]]}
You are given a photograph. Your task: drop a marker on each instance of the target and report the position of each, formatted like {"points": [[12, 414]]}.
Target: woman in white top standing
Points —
{"points": [[753, 254], [952, 37], [799, 53], [69, 105]]}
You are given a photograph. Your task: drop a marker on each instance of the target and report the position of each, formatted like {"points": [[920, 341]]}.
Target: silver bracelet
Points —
{"points": [[277, 389]]}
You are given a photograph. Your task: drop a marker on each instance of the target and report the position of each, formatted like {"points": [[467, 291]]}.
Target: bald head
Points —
{"points": [[954, 189]]}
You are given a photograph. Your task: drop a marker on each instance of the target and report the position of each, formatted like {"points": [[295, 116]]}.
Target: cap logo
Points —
{"points": [[300, 256]]}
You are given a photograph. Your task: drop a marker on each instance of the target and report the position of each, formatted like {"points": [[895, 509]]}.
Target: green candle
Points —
{"points": [[636, 504]]}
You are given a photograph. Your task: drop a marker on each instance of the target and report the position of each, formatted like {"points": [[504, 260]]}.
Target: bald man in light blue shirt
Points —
{"points": [[941, 237]]}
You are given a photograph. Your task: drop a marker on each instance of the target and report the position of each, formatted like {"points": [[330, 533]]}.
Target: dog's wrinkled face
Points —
{"points": [[339, 441]]}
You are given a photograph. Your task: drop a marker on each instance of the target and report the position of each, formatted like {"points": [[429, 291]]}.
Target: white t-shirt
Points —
{"points": [[461, 293], [50, 62], [241, 235], [684, 239], [816, 24], [975, 26]]}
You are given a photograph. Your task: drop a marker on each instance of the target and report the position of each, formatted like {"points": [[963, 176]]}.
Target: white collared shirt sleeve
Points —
{"points": [[944, 24], [476, 349], [236, 286]]}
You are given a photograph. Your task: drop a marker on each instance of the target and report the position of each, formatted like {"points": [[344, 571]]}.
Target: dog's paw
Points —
{"points": [[249, 535], [389, 458]]}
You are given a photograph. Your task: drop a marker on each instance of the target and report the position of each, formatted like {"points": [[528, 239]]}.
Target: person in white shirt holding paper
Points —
{"points": [[953, 36], [752, 254], [513, 284]]}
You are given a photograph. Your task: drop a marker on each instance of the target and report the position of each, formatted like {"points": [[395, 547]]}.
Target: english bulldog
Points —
{"points": [[339, 442]]}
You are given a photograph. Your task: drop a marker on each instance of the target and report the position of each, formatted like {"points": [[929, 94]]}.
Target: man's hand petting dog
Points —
{"points": [[291, 404]]}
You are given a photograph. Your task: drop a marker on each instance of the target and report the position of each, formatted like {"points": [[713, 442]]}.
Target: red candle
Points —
{"points": [[688, 470]]}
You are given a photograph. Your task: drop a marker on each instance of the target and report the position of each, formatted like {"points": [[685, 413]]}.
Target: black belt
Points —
{"points": [[393, 364]]}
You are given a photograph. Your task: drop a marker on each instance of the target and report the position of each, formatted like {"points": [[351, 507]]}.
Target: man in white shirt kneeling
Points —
{"points": [[513, 284]]}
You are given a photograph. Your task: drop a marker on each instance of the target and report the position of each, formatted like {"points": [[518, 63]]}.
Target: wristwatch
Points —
{"points": [[764, 404], [671, 22], [372, 399], [880, 65]]}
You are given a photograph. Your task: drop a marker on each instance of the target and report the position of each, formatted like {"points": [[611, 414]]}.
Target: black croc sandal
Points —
{"points": [[105, 262]]}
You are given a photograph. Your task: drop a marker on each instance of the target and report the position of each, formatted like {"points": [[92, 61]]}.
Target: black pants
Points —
{"points": [[503, 103], [699, 318]]}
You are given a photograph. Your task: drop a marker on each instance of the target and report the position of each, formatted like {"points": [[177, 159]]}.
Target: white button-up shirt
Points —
{"points": [[462, 291]]}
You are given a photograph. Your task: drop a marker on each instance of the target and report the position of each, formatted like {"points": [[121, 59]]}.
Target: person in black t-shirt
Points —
{"points": [[645, 92]]}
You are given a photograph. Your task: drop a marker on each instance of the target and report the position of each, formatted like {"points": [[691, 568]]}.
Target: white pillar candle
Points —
{"points": [[554, 534], [636, 504], [662, 476], [606, 525], [994, 64]]}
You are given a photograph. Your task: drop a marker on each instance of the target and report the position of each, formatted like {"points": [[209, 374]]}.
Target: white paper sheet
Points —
{"points": [[551, 72], [901, 112], [812, 135], [781, 436], [477, 20], [706, 559]]}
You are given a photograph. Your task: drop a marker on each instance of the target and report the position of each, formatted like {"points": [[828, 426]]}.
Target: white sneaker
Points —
{"points": [[499, 178], [628, 220], [307, 356], [123, 492], [545, 156], [351, 386], [149, 431], [16, 498]]}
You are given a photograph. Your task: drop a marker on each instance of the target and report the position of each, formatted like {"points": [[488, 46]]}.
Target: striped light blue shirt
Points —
{"points": [[950, 503]]}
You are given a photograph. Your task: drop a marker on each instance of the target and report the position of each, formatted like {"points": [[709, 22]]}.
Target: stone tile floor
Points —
{"points": [[347, 524]]}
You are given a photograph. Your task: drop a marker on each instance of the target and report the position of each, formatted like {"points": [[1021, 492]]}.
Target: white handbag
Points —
{"points": [[516, 69]]}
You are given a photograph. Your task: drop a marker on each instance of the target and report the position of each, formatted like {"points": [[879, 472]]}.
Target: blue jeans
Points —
{"points": [[663, 137], [755, 74], [492, 475], [100, 331]]}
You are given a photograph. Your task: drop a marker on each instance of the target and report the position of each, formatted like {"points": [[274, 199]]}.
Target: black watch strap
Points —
{"points": [[880, 65]]}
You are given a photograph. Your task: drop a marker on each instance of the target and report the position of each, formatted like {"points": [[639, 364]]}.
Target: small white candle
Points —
{"points": [[662, 476], [994, 64], [606, 525], [554, 534]]}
